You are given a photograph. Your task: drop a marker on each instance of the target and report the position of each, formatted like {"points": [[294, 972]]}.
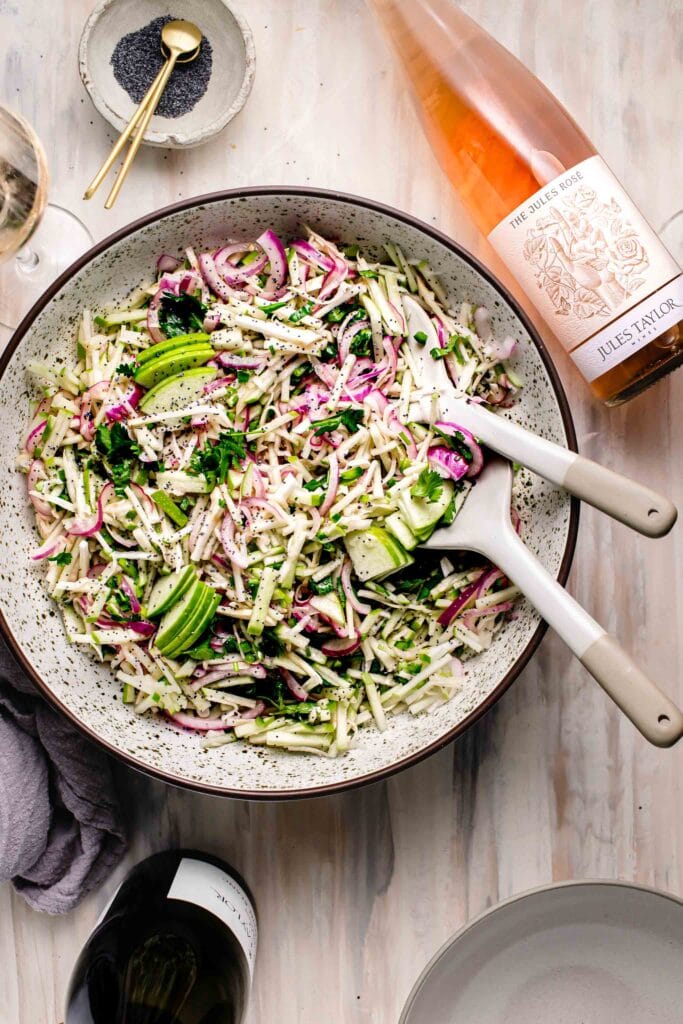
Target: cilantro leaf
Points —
{"points": [[429, 486], [63, 558], [180, 314], [329, 352], [360, 346], [349, 418], [126, 369], [324, 586], [119, 451], [215, 460]]}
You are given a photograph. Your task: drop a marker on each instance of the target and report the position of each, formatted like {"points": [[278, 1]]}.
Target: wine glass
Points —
{"points": [[42, 239]]}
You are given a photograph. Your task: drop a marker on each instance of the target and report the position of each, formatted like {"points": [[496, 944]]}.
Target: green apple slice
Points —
{"points": [[177, 392], [176, 619], [375, 553], [396, 525], [162, 347], [194, 624], [199, 624], [421, 515], [169, 589], [171, 364]]}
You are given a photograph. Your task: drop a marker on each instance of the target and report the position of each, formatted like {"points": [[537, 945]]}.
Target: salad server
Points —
{"points": [[483, 525], [623, 499]]}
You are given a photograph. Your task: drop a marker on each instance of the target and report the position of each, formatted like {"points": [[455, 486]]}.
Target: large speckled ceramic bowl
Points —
{"points": [[85, 691]]}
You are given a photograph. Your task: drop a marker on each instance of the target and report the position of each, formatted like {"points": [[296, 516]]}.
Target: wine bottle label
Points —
{"points": [[209, 887], [592, 266]]}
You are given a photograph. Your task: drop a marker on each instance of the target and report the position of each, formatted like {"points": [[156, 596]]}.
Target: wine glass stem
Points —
{"points": [[27, 259]]}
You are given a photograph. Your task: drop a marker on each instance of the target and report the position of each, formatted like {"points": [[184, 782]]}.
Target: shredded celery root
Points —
{"points": [[300, 438]]}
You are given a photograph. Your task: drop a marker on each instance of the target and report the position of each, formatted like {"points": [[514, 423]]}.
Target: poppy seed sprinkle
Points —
{"points": [[137, 59]]}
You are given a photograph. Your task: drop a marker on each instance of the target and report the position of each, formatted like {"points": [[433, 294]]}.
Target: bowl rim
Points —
{"points": [[155, 137], [422, 979], [567, 421]]}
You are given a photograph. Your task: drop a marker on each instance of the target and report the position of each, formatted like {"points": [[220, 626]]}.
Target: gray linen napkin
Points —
{"points": [[60, 823]]}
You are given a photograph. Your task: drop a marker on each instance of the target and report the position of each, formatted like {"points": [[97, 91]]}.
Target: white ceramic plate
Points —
{"points": [[577, 953], [86, 691]]}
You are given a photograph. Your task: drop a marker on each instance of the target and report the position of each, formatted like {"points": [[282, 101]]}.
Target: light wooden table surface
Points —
{"points": [[355, 893]]}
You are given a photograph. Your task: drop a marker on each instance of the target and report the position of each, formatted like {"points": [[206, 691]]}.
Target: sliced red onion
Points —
{"points": [[502, 350], [267, 506], [199, 724], [249, 714], [216, 675], [377, 401], [166, 284], [124, 541], [232, 274], [309, 252], [277, 258], [486, 581], [37, 473], [482, 323], [96, 392], [358, 606], [447, 462], [326, 373], [126, 407], [142, 626], [258, 481], [143, 495], [34, 436], [469, 440], [89, 527], [391, 359], [347, 332], [167, 264], [404, 433], [230, 362], [470, 617], [211, 320], [127, 588], [294, 687], [448, 614], [214, 279], [333, 279], [236, 552], [49, 548], [341, 647], [214, 385]]}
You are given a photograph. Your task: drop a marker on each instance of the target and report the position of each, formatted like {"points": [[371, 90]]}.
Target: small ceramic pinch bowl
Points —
{"points": [[232, 72], [86, 691]]}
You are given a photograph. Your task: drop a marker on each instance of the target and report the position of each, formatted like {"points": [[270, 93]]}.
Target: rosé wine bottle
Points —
{"points": [[547, 202]]}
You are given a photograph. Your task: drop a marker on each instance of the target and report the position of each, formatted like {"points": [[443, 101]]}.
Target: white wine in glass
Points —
{"points": [[37, 241]]}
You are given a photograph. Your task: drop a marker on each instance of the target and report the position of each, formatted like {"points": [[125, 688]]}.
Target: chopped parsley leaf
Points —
{"points": [[216, 459], [126, 369], [429, 486], [349, 418], [180, 314], [63, 558], [119, 451]]}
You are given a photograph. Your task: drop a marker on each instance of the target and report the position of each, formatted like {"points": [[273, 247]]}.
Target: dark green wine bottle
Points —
{"points": [[176, 945]]}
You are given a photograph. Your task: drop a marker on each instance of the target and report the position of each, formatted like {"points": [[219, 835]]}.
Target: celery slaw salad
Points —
{"points": [[230, 494]]}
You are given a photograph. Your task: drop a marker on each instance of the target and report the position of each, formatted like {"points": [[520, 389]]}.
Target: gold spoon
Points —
{"points": [[179, 39]]}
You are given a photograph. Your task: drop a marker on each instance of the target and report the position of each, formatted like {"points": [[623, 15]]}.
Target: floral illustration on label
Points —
{"points": [[586, 256]]}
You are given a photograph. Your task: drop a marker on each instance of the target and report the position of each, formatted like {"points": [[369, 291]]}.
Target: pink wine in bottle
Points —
{"points": [[547, 202]]}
